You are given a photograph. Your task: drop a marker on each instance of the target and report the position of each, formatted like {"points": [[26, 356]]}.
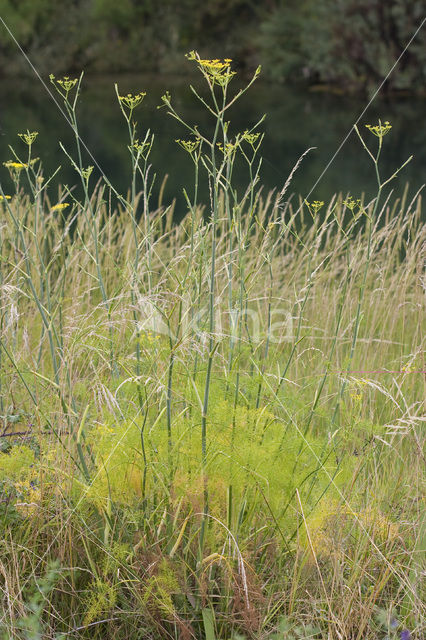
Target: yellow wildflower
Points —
{"points": [[189, 145], [351, 203], [141, 147], [28, 137], [66, 83], [86, 173], [216, 70], [10, 164], [131, 101], [229, 147], [251, 138], [5, 197], [380, 129], [60, 206], [314, 206]]}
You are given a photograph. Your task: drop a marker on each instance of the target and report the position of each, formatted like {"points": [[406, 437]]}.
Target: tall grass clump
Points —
{"points": [[210, 429]]}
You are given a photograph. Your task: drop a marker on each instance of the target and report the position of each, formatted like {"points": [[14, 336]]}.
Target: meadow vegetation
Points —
{"points": [[210, 429]]}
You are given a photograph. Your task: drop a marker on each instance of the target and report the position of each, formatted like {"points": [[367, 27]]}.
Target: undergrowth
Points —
{"points": [[210, 429]]}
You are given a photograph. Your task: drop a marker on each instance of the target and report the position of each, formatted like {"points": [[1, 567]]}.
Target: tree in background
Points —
{"points": [[153, 35], [130, 35], [348, 43], [56, 36]]}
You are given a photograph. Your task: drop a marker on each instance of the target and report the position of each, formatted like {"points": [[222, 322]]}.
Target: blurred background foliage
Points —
{"points": [[344, 44]]}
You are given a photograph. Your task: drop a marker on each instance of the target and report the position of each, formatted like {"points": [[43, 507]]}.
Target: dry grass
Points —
{"points": [[214, 429]]}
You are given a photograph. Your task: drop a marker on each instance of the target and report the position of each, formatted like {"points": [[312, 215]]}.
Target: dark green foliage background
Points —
{"points": [[351, 44]]}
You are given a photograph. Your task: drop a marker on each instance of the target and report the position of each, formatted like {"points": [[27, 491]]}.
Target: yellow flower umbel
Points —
{"points": [[314, 206], [251, 138], [64, 85], [15, 169], [215, 71], [86, 173], [229, 148], [380, 129], [351, 203], [5, 197], [15, 166], [128, 104], [354, 206], [60, 206], [142, 148], [189, 145], [28, 137], [131, 101]]}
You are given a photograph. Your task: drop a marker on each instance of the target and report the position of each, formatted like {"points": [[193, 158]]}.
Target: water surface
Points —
{"points": [[295, 121]]}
